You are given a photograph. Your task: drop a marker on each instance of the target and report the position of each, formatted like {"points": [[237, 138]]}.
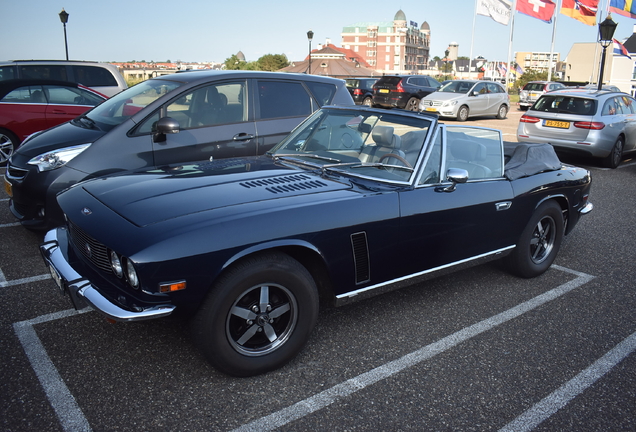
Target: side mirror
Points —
{"points": [[455, 175], [165, 125]]}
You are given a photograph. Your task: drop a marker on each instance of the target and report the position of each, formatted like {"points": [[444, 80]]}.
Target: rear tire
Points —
{"points": [[413, 104], [539, 242], [503, 111], [258, 315], [8, 144], [613, 160]]}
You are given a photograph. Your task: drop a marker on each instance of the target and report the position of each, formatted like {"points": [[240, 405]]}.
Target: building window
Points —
{"points": [[388, 39], [355, 48], [388, 48]]}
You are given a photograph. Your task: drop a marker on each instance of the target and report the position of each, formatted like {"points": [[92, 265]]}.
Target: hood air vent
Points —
{"points": [[284, 184]]}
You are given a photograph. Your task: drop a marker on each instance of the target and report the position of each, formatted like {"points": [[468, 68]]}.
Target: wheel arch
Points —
{"points": [[307, 254], [566, 208]]}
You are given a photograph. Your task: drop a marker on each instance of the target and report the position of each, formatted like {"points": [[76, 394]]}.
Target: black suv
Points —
{"points": [[361, 90], [190, 116], [403, 91]]}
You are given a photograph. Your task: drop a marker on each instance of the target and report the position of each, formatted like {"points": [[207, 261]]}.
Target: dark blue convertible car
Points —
{"points": [[354, 202]]}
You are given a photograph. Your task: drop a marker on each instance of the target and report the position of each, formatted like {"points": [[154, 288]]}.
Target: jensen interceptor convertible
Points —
{"points": [[354, 202]]}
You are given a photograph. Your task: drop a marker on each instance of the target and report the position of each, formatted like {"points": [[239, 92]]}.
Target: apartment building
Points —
{"points": [[396, 47]]}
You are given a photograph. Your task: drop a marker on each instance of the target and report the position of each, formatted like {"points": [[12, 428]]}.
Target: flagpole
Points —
{"points": [[512, 26], [472, 40], [554, 26]]}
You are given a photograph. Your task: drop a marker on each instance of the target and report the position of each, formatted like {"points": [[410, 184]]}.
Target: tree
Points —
{"points": [[272, 62], [233, 63], [530, 75]]}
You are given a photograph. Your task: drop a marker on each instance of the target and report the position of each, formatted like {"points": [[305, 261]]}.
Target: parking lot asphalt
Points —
{"points": [[478, 350]]}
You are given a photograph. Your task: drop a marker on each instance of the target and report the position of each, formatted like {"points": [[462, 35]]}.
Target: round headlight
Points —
{"points": [[115, 263], [131, 274]]}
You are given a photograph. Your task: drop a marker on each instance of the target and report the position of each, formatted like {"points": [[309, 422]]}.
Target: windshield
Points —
{"points": [[122, 106], [457, 87], [381, 146]]}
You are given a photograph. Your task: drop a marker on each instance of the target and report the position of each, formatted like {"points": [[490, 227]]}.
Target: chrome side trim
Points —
{"points": [[425, 272], [82, 290]]}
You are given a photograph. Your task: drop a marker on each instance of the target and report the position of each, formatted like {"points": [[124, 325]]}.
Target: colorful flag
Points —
{"points": [[499, 10], [518, 69], [620, 49], [582, 10], [541, 9], [623, 7]]}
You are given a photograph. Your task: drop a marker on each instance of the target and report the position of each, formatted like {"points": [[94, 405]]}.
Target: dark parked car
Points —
{"points": [[361, 90], [354, 202], [403, 91], [174, 118], [29, 106]]}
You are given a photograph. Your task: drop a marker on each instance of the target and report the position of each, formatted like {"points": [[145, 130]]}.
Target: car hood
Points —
{"points": [[61, 136], [152, 196], [445, 96]]}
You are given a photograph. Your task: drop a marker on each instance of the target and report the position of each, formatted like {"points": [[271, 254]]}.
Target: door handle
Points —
{"points": [[242, 137]]}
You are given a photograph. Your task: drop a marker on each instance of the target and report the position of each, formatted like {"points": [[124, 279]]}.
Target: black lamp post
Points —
{"points": [[310, 36], [446, 62], [64, 19], [605, 34]]}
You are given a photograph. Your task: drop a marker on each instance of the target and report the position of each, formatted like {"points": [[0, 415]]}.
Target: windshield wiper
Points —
{"points": [[381, 165], [88, 122]]}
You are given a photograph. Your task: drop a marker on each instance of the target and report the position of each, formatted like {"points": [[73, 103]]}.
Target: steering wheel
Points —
{"points": [[395, 156]]}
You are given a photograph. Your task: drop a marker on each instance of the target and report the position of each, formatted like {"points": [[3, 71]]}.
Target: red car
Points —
{"points": [[29, 106]]}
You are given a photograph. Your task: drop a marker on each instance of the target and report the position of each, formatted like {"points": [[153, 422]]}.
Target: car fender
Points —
{"points": [[269, 245]]}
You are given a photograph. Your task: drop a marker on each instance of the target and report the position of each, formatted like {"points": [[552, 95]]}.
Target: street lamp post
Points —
{"points": [[64, 19], [310, 36], [605, 34], [446, 63]]}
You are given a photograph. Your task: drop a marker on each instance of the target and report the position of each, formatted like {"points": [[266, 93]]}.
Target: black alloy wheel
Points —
{"points": [[539, 243], [258, 315]]}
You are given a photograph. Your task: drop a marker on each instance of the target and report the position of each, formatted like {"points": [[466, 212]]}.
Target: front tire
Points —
{"points": [[258, 315], [8, 144], [613, 160], [539, 243], [462, 113], [367, 102]]}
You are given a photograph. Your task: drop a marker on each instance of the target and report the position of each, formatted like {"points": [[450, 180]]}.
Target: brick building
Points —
{"points": [[397, 46]]}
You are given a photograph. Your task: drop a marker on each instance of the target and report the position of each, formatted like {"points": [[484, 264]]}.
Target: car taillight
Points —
{"points": [[529, 119], [357, 92], [589, 125], [400, 89]]}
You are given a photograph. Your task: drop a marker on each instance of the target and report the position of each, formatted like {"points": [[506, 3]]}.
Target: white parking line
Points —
{"points": [[72, 418], [4, 283], [353, 385], [4, 199], [568, 391], [68, 412], [14, 224]]}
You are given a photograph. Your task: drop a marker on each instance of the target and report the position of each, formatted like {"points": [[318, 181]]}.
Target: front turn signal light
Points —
{"points": [[172, 286]]}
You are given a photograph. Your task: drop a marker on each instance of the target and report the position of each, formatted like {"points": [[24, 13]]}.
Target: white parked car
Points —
{"points": [[462, 99]]}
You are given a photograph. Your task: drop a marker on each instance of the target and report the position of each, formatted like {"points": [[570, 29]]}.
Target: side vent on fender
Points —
{"points": [[361, 257]]}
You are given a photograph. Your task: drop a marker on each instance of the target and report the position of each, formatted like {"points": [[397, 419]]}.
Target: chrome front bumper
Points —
{"points": [[81, 291]]}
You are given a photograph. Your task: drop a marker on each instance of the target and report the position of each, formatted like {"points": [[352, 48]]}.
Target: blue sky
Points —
{"points": [[188, 30]]}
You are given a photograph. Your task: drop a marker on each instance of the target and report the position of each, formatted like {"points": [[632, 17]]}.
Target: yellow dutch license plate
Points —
{"points": [[384, 90], [557, 124], [431, 109], [7, 188]]}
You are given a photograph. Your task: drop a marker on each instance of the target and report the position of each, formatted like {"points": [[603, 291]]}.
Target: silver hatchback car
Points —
{"points": [[601, 124], [461, 99]]}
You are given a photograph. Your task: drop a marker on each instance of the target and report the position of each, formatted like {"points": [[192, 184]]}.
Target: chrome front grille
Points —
{"points": [[90, 248]]}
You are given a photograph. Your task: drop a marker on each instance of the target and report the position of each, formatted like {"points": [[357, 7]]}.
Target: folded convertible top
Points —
{"points": [[526, 159]]}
